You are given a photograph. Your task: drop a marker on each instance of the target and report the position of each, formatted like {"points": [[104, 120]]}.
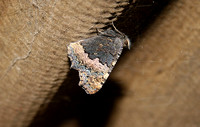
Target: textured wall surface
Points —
{"points": [[154, 84], [161, 72], [33, 60]]}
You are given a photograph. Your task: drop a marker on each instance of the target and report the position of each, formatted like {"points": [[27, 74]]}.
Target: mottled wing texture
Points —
{"points": [[95, 58]]}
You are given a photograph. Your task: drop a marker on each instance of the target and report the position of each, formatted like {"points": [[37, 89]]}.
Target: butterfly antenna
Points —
{"points": [[117, 29], [98, 31], [127, 39]]}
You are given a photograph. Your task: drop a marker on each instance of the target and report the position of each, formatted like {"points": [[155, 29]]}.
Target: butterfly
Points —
{"points": [[95, 57]]}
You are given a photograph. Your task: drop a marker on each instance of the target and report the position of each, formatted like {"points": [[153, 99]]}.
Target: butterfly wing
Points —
{"points": [[95, 58]]}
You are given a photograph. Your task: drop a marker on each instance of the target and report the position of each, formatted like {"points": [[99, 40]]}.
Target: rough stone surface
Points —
{"points": [[156, 84]]}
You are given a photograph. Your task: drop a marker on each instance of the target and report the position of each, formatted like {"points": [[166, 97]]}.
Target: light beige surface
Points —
{"points": [[161, 73], [33, 57]]}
